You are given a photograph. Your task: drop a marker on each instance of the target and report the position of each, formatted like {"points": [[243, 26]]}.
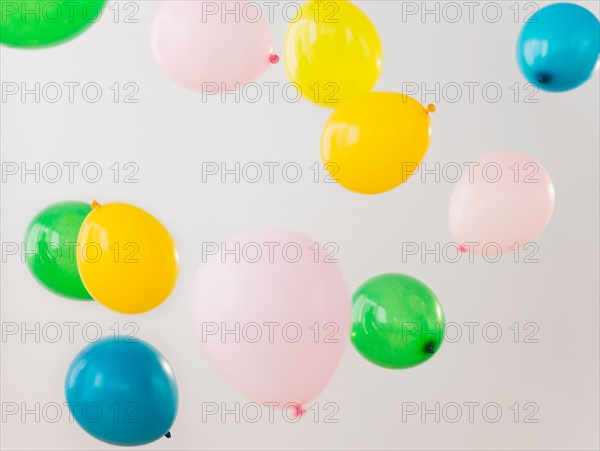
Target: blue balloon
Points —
{"points": [[558, 47], [122, 391]]}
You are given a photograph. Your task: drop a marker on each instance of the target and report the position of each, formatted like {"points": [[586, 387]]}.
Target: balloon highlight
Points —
{"points": [[332, 52], [52, 235], [397, 321], [558, 47], [122, 391], [375, 142], [127, 259]]}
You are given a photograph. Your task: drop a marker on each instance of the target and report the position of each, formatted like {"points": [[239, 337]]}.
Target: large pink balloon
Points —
{"points": [[300, 310], [501, 204], [212, 46]]}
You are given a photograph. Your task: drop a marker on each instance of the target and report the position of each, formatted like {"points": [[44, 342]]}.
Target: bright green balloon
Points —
{"points": [[397, 321], [50, 243], [40, 23]]}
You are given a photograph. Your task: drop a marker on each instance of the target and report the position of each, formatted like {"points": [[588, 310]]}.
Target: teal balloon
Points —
{"points": [[122, 391], [558, 47], [50, 245], [397, 321]]}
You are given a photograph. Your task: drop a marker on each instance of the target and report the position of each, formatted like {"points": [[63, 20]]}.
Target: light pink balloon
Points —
{"points": [[308, 296], [501, 204], [212, 46]]}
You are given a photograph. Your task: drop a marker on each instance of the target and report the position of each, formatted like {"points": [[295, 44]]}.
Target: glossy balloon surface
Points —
{"points": [[397, 321], [122, 391], [127, 259], [332, 52], [375, 142], [558, 47], [41, 23], [51, 245]]}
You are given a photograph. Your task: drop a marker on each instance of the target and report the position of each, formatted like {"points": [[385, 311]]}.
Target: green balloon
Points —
{"points": [[51, 251], [40, 23], [397, 321]]}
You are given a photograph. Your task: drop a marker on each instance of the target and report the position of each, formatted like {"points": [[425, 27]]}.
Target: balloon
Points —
{"points": [[50, 242], [287, 299], [502, 204], [122, 391], [332, 52], [374, 142], [212, 46], [397, 321], [127, 259], [558, 47], [41, 23]]}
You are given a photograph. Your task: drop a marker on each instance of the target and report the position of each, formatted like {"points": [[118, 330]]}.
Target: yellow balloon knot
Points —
{"points": [[431, 108], [95, 204]]}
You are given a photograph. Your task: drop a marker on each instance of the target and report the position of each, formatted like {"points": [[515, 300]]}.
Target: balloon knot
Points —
{"points": [[431, 108], [543, 78], [95, 204], [462, 249], [298, 411], [274, 58], [168, 434]]}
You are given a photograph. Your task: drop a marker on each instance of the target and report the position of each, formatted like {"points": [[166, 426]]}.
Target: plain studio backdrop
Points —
{"points": [[541, 375]]}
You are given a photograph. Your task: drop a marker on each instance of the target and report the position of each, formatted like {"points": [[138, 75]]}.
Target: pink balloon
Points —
{"points": [[300, 310], [501, 204], [212, 46]]}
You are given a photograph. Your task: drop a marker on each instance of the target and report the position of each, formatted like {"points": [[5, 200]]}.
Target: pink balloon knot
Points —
{"points": [[462, 249], [274, 59], [298, 410]]}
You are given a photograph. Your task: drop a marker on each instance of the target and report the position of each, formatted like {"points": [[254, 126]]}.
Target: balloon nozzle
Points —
{"points": [[431, 108], [298, 411], [462, 249], [274, 58], [543, 79], [168, 434], [95, 204]]}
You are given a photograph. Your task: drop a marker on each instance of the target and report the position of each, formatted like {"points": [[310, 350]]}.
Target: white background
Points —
{"points": [[170, 132]]}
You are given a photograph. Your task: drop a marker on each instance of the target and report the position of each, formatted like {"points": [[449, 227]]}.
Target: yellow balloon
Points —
{"points": [[127, 259], [374, 142], [332, 52]]}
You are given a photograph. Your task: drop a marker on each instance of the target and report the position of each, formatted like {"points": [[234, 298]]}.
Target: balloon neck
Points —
{"points": [[543, 79], [431, 108], [274, 58], [95, 204], [462, 249], [168, 434], [298, 411]]}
